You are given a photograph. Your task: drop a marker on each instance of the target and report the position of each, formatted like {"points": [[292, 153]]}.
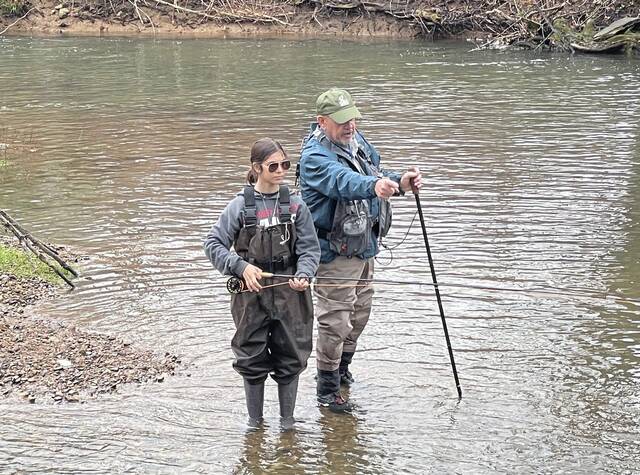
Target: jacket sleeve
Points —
{"points": [[307, 246], [217, 244], [335, 180], [395, 176]]}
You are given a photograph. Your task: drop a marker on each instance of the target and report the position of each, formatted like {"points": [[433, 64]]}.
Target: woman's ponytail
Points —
{"points": [[252, 176]]}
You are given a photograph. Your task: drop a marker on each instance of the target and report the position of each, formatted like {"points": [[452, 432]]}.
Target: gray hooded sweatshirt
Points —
{"points": [[218, 243]]}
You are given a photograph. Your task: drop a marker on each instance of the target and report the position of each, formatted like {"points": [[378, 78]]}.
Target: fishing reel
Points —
{"points": [[235, 285]]}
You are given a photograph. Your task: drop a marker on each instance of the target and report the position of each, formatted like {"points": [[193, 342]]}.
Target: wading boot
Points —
{"points": [[346, 378], [287, 396], [328, 392], [254, 395]]}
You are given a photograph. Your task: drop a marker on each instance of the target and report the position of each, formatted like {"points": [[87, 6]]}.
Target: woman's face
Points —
{"points": [[273, 170]]}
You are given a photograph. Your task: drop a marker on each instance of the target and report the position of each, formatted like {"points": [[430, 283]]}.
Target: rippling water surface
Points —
{"points": [[531, 166]]}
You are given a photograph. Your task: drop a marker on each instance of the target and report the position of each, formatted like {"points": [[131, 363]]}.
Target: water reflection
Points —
{"points": [[338, 447], [255, 453], [345, 450], [264, 453]]}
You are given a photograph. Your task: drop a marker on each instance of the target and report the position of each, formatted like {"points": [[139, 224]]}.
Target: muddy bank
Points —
{"points": [[190, 19], [525, 23], [47, 361]]}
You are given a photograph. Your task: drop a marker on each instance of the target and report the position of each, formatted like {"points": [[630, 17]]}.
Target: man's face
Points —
{"points": [[338, 133]]}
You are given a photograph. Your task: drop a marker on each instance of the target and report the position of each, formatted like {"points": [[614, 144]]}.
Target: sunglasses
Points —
{"points": [[273, 166]]}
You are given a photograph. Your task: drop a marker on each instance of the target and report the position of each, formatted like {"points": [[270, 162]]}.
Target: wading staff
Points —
{"points": [[416, 194]]}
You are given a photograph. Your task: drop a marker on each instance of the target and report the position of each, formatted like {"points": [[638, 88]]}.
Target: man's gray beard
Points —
{"points": [[351, 144], [348, 145]]}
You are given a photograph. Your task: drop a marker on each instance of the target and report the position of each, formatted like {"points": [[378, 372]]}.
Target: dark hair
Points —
{"points": [[260, 151]]}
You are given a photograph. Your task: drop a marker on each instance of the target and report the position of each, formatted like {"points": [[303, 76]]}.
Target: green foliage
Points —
{"points": [[13, 7], [16, 262]]}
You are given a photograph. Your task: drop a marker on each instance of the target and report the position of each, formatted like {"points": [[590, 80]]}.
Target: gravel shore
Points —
{"points": [[47, 361]]}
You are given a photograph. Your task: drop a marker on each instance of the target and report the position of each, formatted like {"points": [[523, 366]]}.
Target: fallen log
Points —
{"points": [[620, 26]]}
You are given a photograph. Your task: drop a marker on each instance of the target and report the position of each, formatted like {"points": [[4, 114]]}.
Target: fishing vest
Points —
{"points": [[271, 248], [351, 226]]}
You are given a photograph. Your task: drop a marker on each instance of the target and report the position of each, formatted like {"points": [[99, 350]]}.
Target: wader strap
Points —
{"points": [[366, 162], [285, 204], [250, 218], [322, 233]]}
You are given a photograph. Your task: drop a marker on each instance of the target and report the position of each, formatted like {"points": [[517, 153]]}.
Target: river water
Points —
{"points": [[532, 204]]}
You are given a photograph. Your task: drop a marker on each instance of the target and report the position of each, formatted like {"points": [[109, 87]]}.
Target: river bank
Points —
{"points": [[189, 19], [49, 361], [568, 25]]}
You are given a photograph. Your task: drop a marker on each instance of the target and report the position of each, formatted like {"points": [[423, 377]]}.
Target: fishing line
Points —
{"points": [[236, 285], [384, 247]]}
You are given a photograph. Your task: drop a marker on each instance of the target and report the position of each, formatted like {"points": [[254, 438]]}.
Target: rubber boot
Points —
{"points": [[328, 391], [254, 395], [287, 394], [346, 378]]}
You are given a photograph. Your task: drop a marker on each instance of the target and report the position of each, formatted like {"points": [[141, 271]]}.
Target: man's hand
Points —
{"points": [[386, 188], [299, 284], [251, 276], [412, 174]]}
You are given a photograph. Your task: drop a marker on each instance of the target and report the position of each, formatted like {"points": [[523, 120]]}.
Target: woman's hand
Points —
{"points": [[251, 276], [299, 284]]}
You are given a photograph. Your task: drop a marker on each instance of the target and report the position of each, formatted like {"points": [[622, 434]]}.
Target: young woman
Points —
{"points": [[270, 230]]}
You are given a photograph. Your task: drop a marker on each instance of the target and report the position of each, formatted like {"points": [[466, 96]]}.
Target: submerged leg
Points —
{"points": [[346, 378], [254, 395], [287, 394]]}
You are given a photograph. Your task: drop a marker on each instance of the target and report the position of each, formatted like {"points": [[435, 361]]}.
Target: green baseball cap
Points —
{"points": [[337, 104]]}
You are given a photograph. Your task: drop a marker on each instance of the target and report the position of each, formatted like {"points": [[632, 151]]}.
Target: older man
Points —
{"points": [[347, 193]]}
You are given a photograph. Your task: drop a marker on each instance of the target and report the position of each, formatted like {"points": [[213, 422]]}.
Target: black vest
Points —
{"points": [[271, 248]]}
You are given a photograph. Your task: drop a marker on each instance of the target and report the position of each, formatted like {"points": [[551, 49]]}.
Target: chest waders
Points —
{"points": [[343, 314], [274, 326]]}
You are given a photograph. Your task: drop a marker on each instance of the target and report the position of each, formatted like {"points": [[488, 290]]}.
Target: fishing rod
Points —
{"points": [[236, 285], [416, 194], [269, 275]]}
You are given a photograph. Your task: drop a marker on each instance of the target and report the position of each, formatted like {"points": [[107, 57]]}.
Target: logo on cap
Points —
{"points": [[338, 105]]}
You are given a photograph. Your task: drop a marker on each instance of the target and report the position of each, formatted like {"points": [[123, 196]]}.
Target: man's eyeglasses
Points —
{"points": [[273, 166]]}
